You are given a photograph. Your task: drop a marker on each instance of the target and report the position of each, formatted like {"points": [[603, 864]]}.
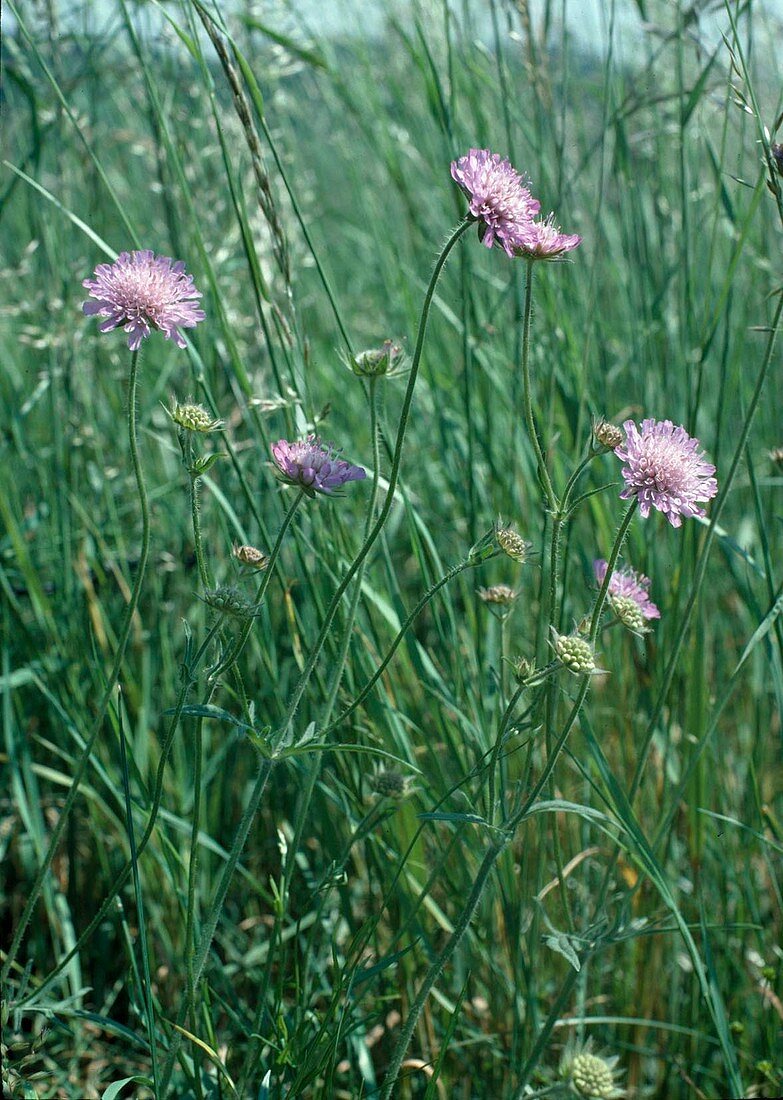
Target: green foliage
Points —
{"points": [[232, 908]]}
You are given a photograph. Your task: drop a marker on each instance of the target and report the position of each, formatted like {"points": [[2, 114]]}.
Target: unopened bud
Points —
{"points": [[229, 601], [607, 435], [193, 418], [250, 556], [511, 542], [375, 362], [574, 653]]}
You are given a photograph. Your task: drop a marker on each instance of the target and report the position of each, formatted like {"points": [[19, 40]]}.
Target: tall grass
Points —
{"points": [[345, 847]]}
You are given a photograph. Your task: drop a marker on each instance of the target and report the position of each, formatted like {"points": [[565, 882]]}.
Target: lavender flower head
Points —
{"points": [[313, 466], [544, 241], [497, 196], [665, 470], [628, 595], [142, 292]]}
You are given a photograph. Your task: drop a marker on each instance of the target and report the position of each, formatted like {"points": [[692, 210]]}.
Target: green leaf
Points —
{"points": [[116, 1087], [561, 943]]}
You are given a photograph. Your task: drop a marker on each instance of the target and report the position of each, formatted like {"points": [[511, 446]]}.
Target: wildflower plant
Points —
{"points": [[143, 293], [313, 466], [300, 683]]}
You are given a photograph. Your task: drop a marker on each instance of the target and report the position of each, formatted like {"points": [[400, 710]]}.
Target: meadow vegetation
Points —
{"points": [[393, 803]]}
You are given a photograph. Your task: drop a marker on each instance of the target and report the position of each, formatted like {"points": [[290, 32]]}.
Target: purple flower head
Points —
{"points": [[311, 465], [544, 241], [497, 196], [626, 587], [142, 292], [665, 470]]}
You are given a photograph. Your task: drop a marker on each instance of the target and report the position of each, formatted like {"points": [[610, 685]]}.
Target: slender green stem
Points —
{"points": [[334, 686], [191, 916], [436, 969], [114, 675], [233, 655], [546, 1030], [543, 473], [342, 655], [215, 909], [393, 478], [684, 621], [142, 927], [186, 444], [493, 763], [585, 683], [425, 599], [118, 883]]}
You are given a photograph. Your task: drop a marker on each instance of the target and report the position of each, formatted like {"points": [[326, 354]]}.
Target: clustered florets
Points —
{"points": [[511, 542], [628, 596], [607, 435], [193, 418], [574, 653], [498, 593], [390, 783], [313, 466], [591, 1076], [142, 292], [500, 201], [228, 600], [665, 469]]}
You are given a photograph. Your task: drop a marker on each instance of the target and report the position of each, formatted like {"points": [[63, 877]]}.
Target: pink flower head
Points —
{"points": [[312, 466], [544, 241], [665, 470], [497, 196], [142, 292], [627, 584]]}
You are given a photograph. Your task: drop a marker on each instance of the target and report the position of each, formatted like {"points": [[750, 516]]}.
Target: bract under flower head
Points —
{"points": [[665, 470], [313, 466], [543, 240], [497, 198], [628, 595], [142, 292]]}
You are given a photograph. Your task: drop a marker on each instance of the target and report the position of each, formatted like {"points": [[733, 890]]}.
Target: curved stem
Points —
{"points": [[157, 796], [425, 599], [114, 675], [543, 473], [195, 510], [436, 969], [210, 924], [577, 706], [393, 478], [701, 564], [233, 655], [493, 763]]}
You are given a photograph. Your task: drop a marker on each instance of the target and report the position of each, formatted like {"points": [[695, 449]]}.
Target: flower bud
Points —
{"points": [[511, 542], [574, 653], [229, 601], [607, 435], [390, 783], [522, 668], [591, 1076], [501, 594], [250, 556], [630, 614], [375, 362], [193, 418]]}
